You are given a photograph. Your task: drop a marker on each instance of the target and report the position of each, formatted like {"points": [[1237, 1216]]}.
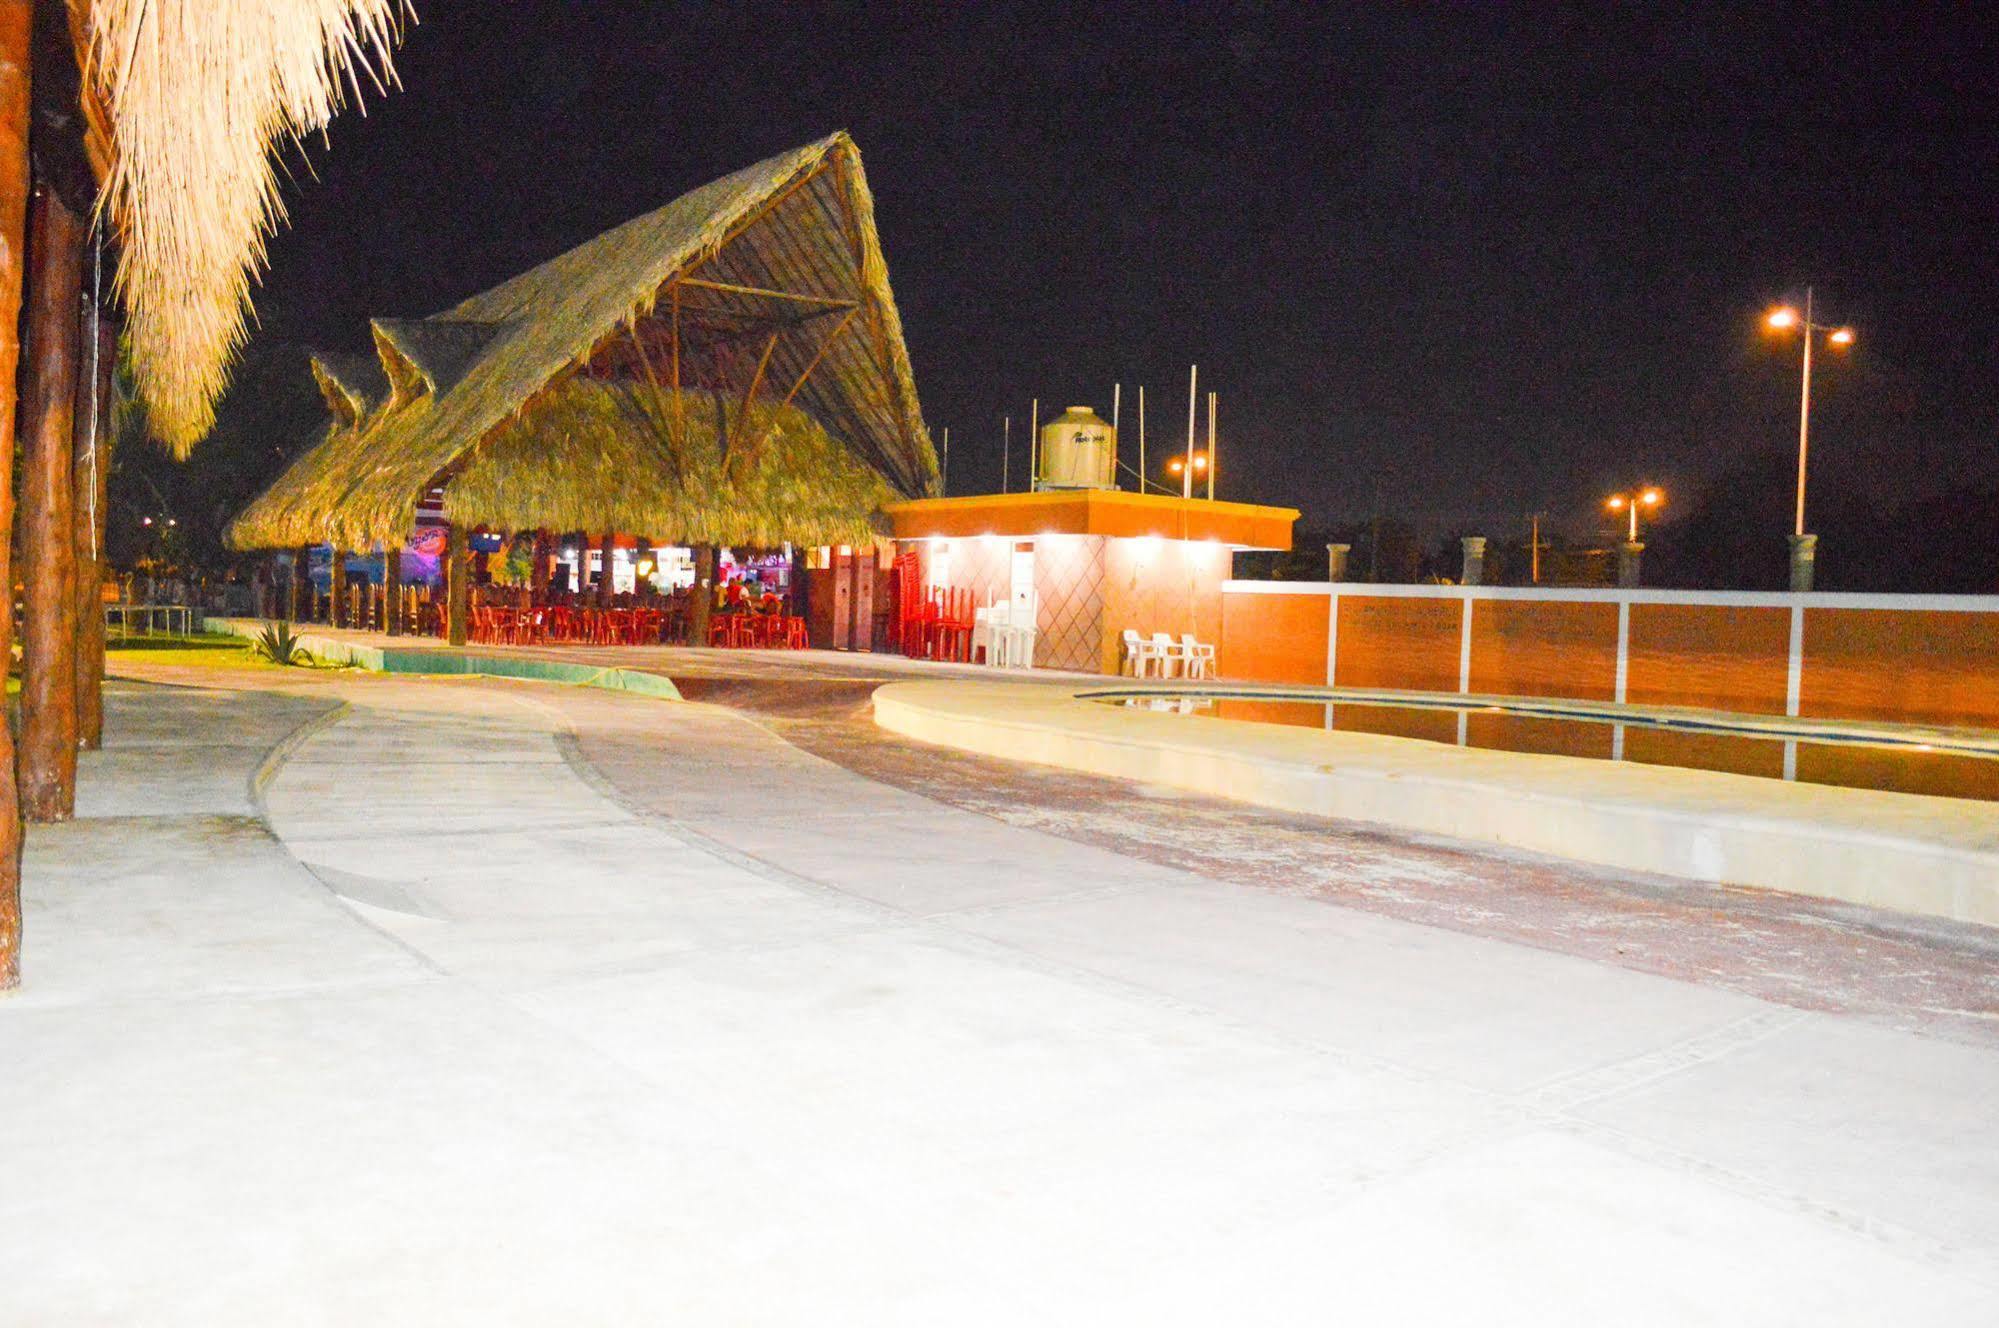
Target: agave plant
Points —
{"points": [[280, 645]]}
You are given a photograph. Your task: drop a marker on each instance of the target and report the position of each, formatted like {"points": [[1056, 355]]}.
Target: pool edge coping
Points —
{"points": [[1908, 852]]}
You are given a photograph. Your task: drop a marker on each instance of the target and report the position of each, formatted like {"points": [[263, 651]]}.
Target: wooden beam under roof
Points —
{"points": [[761, 292]]}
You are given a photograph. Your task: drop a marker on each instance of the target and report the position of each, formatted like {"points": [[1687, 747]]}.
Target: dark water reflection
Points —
{"points": [[1844, 764]]}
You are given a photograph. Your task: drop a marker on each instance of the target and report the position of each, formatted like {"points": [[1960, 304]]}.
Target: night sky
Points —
{"points": [[1468, 263]]}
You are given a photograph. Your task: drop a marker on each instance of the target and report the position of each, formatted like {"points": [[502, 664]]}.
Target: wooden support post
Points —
{"points": [[392, 590], [604, 546], [16, 24], [457, 584], [702, 598], [92, 477], [864, 597], [843, 597], [336, 587], [48, 548], [544, 552], [302, 583], [796, 593]]}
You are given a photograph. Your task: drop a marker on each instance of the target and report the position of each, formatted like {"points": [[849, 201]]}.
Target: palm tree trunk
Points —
{"points": [[48, 525], [16, 25]]}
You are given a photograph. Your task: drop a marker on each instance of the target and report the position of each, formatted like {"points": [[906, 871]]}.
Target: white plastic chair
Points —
{"points": [[984, 637], [1019, 646], [1167, 652], [1136, 654], [1197, 659]]}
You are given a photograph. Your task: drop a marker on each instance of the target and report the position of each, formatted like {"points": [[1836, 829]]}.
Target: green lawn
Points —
{"points": [[162, 644], [222, 652]]}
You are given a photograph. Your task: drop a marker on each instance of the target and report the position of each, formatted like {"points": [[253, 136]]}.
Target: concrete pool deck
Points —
{"points": [[374, 999], [1926, 855]]}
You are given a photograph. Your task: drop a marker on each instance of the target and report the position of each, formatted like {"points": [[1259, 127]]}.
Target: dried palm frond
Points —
{"points": [[199, 93]]}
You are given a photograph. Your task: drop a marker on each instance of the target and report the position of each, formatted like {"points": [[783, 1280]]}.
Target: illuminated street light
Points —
{"points": [[1178, 466], [1629, 503], [1782, 320]]}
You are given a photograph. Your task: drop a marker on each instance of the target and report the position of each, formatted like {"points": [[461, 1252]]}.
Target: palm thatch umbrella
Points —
{"points": [[187, 99]]}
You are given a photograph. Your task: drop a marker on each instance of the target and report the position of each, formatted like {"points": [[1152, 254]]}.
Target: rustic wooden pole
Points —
{"points": [[544, 550], [301, 583], [392, 590], [702, 598], [92, 473], [604, 547], [336, 587], [16, 24], [48, 527], [457, 583]]}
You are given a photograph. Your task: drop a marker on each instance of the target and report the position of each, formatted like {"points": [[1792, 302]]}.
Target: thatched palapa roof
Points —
{"points": [[353, 385], [790, 480], [548, 401]]}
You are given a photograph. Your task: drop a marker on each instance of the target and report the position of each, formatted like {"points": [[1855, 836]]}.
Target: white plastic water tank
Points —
{"points": [[1078, 451]]}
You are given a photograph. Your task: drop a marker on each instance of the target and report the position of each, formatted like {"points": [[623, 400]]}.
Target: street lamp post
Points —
{"points": [[1179, 470], [1804, 547], [1627, 554]]}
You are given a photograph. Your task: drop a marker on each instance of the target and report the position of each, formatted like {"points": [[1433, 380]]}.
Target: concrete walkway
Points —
{"points": [[480, 1002]]}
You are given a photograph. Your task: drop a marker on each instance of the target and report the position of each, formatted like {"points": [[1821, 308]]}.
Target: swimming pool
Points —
{"points": [[1952, 763]]}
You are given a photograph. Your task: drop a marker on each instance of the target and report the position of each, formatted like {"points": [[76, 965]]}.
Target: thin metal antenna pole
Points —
{"points": [[1033, 444], [1117, 397], [1006, 452], [1211, 447], [1804, 415], [1187, 467], [1142, 481]]}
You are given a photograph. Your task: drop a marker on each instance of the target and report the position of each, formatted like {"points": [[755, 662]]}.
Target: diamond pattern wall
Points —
{"points": [[1069, 583], [1089, 588]]}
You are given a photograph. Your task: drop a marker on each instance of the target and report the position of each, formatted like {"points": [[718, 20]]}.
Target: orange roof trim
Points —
{"points": [[1093, 512]]}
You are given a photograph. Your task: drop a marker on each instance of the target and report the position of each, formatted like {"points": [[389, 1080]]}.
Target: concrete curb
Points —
{"points": [[1933, 856], [432, 661], [281, 751]]}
